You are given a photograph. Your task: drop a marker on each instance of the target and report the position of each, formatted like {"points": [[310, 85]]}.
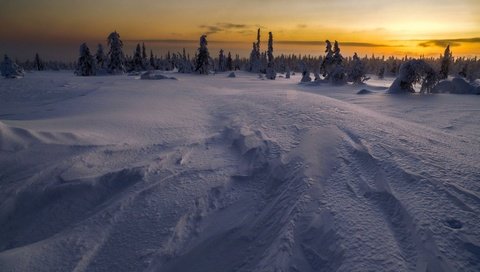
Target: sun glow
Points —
{"points": [[394, 27]]}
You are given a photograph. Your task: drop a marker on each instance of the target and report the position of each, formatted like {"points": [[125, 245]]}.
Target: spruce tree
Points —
{"points": [[271, 74], [100, 57], [116, 58], [9, 69], [152, 61], [255, 56], [222, 62], [229, 62], [137, 59], [85, 63], [38, 64], [446, 59], [203, 57], [357, 72], [328, 60]]}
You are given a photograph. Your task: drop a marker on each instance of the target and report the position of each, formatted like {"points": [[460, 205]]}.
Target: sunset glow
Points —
{"points": [[381, 27]]}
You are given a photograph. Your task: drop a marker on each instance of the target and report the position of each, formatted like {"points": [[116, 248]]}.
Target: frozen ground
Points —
{"points": [[235, 174]]}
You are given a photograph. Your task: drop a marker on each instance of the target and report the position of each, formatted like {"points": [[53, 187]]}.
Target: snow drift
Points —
{"points": [[210, 174]]}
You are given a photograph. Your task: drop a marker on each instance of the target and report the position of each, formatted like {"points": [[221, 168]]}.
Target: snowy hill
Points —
{"points": [[210, 173]]}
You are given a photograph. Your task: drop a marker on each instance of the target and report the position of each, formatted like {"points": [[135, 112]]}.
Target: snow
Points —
{"points": [[206, 173]]}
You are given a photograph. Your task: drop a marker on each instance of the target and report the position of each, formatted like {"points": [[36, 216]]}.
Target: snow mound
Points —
{"points": [[152, 76], [364, 91], [57, 205], [456, 85], [14, 139]]}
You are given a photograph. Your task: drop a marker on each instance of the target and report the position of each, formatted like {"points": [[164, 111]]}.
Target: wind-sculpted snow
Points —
{"points": [[210, 174]]}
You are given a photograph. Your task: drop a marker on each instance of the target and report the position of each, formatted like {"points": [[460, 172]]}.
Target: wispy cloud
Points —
{"points": [[226, 26], [319, 43], [451, 42]]}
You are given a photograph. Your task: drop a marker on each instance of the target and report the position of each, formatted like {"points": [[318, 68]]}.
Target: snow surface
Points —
{"points": [[210, 173]]}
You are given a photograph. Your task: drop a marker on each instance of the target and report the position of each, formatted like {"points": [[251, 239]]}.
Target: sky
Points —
{"points": [[56, 28]]}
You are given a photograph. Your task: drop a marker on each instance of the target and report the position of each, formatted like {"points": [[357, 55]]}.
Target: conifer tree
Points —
{"points": [[144, 53], [271, 74], [328, 60], [85, 63], [152, 61], [100, 57], [9, 69], [203, 57], [357, 73], [116, 58], [255, 56], [446, 59], [229, 62], [38, 64], [222, 62], [137, 59]]}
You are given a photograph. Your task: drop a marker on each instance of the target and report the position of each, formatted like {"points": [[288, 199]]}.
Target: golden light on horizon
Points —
{"points": [[396, 27]]}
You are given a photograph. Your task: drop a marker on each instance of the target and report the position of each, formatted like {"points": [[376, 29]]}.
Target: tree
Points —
{"points": [[203, 57], [412, 72], [38, 63], [144, 54], [183, 63], [357, 72], [100, 57], [305, 73], [255, 56], [222, 62], [152, 61], [271, 74], [229, 62], [446, 59], [9, 69], [116, 58], [137, 64], [328, 60], [337, 75], [85, 63]]}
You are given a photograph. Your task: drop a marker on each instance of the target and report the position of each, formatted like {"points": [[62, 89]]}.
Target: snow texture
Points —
{"points": [[111, 173]]}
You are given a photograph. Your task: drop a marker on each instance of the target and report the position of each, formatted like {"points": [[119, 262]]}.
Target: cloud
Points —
{"points": [[451, 42], [211, 29], [321, 43], [225, 26]]}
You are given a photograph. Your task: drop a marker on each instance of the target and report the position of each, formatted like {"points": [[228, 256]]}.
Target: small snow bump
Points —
{"points": [[454, 223]]}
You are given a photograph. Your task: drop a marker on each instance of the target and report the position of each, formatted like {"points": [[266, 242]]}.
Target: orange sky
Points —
{"points": [[385, 27]]}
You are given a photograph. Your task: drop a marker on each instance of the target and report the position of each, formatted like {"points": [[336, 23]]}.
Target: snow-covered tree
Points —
{"points": [[183, 63], [271, 74], [152, 61], [237, 62], [222, 62], [203, 58], [85, 63], [9, 69], [229, 62], [446, 60], [337, 75], [100, 57], [38, 63], [327, 62], [137, 62], [413, 72], [255, 56], [305, 73], [144, 55], [357, 72], [116, 58]]}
